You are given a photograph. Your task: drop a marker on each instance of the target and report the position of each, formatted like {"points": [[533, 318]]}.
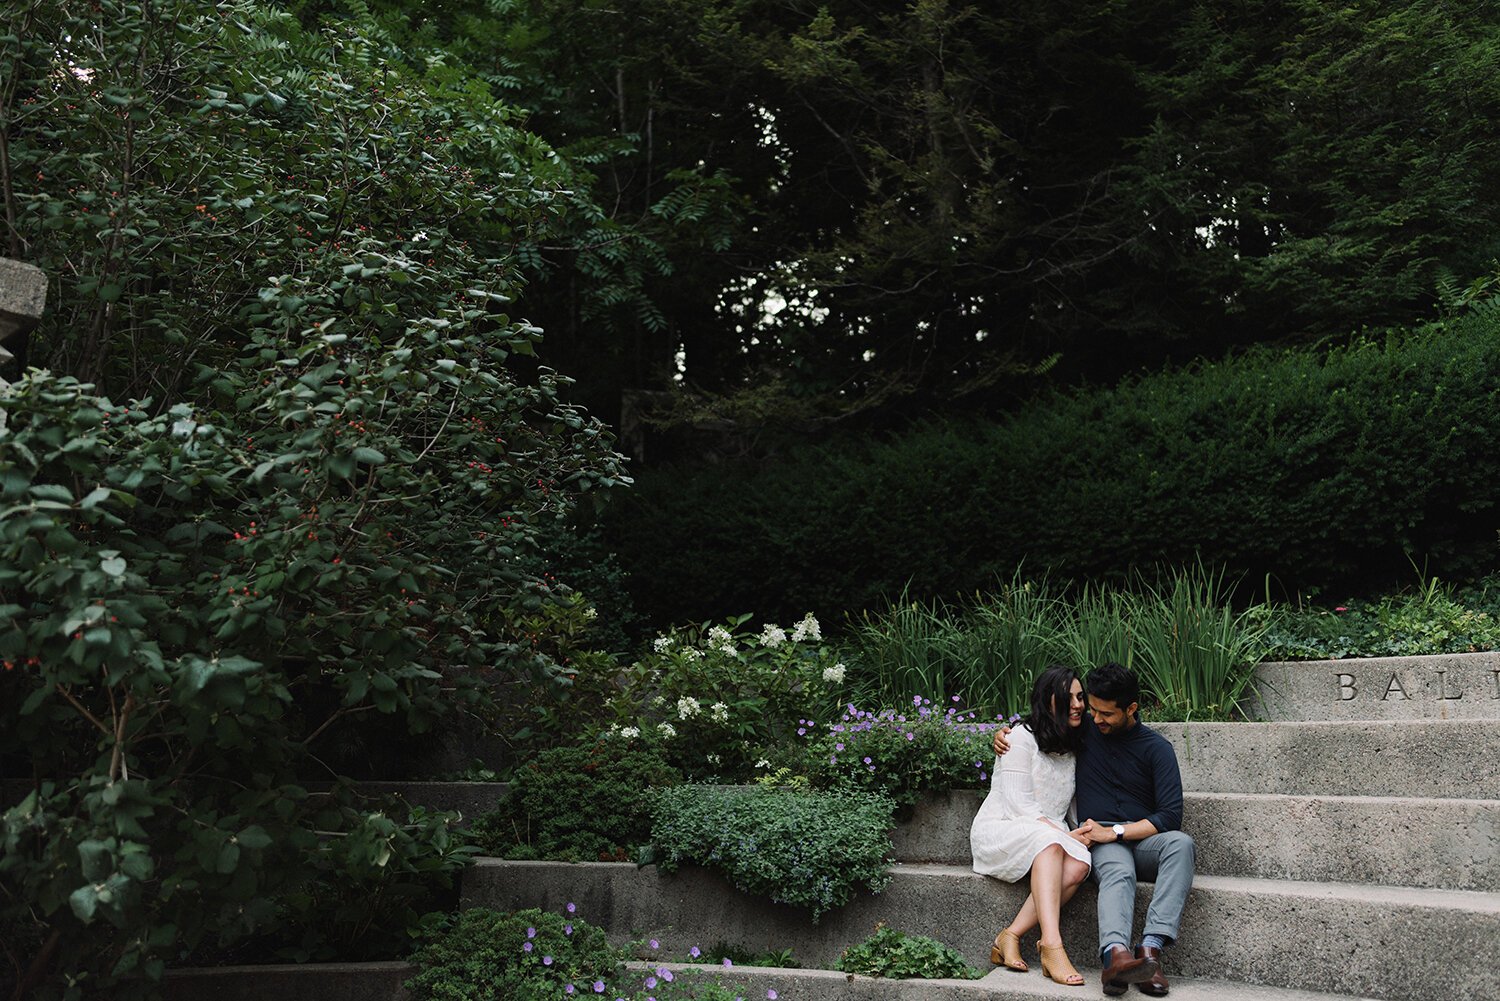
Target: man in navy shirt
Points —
{"points": [[1130, 790]]}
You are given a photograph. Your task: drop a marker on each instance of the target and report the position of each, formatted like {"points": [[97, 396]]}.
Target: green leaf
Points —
{"points": [[97, 859], [84, 901], [254, 837], [95, 497]]}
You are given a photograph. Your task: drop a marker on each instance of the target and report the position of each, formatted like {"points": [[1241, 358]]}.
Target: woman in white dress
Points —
{"points": [[1021, 825]]}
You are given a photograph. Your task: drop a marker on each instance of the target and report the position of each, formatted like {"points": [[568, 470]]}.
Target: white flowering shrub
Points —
{"points": [[717, 699]]}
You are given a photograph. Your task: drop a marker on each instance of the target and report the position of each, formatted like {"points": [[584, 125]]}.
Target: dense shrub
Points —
{"points": [[1317, 468], [330, 510], [578, 804], [805, 849]]}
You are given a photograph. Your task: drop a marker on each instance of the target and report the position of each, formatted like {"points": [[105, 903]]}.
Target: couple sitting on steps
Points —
{"points": [[1129, 803]]}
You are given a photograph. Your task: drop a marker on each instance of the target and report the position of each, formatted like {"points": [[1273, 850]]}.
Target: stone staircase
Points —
{"points": [[1348, 846]]}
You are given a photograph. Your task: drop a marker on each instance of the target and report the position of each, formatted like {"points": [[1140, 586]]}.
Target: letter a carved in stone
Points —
{"points": [[1394, 685]]}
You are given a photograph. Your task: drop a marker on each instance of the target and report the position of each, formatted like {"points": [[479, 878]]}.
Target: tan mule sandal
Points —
{"points": [[1055, 965], [1007, 952]]}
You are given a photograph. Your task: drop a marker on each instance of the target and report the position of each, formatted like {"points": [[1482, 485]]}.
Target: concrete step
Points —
{"points": [[1431, 759], [1445, 686], [998, 985], [1394, 841], [1378, 942]]}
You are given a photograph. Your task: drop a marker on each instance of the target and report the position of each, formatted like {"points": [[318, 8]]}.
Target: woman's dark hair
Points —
{"points": [[1048, 719], [1114, 682]]}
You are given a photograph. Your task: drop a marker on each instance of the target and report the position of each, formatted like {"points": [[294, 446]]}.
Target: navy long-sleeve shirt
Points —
{"points": [[1129, 776]]}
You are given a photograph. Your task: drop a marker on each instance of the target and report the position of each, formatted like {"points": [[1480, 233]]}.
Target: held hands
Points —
{"points": [[1090, 833]]}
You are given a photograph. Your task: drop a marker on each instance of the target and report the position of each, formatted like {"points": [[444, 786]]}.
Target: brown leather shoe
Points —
{"points": [[1125, 969], [1156, 984]]}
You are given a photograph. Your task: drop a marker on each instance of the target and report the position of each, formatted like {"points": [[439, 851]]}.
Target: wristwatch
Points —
{"points": [[1119, 830]]}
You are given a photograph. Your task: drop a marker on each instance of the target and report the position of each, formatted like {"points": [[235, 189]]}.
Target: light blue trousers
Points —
{"points": [[1166, 859]]}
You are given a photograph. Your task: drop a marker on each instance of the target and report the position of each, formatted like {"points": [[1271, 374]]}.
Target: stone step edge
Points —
{"points": [[798, 984], [1365, 893], [1391, 840], [1429, 898]]}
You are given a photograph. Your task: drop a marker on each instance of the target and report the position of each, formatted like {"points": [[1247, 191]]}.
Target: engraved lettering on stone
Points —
{"points": [[1497, 683], [1347, 690], [1443, 692], [1395, 686]]}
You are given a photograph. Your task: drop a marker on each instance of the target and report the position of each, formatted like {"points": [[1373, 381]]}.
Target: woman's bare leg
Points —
{"points": [[1046, 891], [1074, 873]]}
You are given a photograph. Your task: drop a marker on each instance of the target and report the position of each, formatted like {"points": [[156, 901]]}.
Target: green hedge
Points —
{"points": [[1322, 469]]}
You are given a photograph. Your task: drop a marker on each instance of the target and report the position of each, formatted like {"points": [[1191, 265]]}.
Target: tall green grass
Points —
{"points": [[1194, 653]]}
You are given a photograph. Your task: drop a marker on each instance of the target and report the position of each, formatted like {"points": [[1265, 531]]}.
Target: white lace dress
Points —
{"points": [[1006, 835]]}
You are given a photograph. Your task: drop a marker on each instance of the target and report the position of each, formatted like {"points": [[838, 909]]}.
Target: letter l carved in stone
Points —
{"points": [[1443, 687]]}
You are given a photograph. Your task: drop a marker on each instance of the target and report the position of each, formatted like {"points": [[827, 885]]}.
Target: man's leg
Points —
{"points": [[1114, 869], [1167, 859]]}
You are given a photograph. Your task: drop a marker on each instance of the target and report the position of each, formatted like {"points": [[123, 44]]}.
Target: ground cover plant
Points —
{"points": [[805, 848], [892, 953], [483, 955], [1431, 618]]}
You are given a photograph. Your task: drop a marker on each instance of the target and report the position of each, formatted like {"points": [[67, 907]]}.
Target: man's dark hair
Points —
{"points": [[1048, 719], [1114, 682]]}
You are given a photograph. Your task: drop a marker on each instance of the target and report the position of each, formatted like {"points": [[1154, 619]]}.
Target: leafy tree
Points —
{"points": [[329, 507], [1311, 169], [913, 204]]}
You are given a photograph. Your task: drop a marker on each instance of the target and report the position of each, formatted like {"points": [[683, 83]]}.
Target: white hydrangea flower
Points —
{"points": [[630, 732], [762, 763], [687, 707], [591, 612], [834, 674], [714, 759], [666, 730], [690, 655], [773, 635], [720, 637], [662, 644], [720, 712], [660, 700], [807, 629]]}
